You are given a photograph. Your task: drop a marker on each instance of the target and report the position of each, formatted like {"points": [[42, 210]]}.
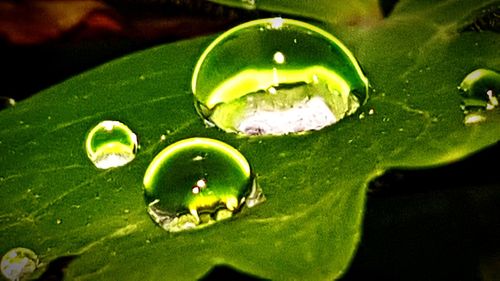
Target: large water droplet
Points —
{"points": [[111, 144], [196, 182], [19, 263], [277, 76], [480, 90]]}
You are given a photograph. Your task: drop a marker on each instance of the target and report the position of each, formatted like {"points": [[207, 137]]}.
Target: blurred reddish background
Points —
{"points": [[43, 42]]}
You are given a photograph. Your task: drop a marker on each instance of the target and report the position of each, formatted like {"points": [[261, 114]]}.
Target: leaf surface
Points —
{"points": [[58, 204]]}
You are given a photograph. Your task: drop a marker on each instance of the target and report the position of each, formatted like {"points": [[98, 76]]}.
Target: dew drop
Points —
{"points": [[249, 4], [277, 76], [480, 90], [6, 102], [111, 144], [196, 182], [19, 264]]}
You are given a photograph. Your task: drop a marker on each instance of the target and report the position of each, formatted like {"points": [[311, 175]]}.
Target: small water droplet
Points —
{"points": [[111, 144], [480, 90], [196, 182], [249, 4], [6, 102], [296, 78], [58, 221], [19, 264]]}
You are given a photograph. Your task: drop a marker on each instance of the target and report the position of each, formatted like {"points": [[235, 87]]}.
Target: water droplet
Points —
{"points": [[196, 182], [277, 76], [6, 102], [480, 90], [111, 144], [19, 263], [249, 4]]}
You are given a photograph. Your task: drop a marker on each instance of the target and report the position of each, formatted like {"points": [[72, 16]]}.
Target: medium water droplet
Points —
{"points": [[19, 263], [480, 90], [277, 76], [111, 144], [196, 182]]}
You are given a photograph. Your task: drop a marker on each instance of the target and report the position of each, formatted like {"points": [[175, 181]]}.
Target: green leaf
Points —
{"points": [[57, 203], [358, 12]]}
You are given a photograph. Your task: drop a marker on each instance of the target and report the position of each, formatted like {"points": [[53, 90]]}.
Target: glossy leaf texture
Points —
{"points": [[55, 202]]}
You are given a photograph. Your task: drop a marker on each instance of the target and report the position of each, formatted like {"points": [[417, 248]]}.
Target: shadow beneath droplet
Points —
{"points": [[56, 269]]}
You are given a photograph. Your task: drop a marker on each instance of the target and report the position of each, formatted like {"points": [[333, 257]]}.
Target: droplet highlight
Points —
{"points": [[19, 264], [196, 182], [480, 90], [277, 76], [111, 144]]}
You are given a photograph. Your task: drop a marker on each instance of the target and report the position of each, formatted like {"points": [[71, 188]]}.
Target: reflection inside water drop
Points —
{"points": [[19, 263], [111, 144], [277, 76], [196, 182]]}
